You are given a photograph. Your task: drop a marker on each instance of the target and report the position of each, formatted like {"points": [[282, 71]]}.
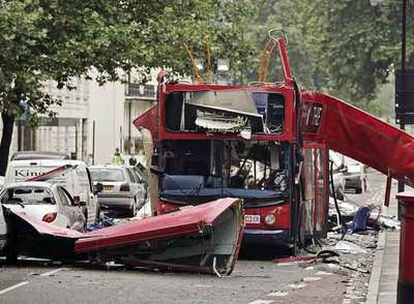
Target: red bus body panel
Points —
{"points": [[359, 135], [154, 118]]}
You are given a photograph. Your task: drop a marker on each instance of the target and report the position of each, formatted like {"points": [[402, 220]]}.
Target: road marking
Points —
{"points": [[50, 272], [262, 302], [13, 287], [278, 294], [5, 290], [203, 286], [323, 273], [311, 279], [297, 286]]}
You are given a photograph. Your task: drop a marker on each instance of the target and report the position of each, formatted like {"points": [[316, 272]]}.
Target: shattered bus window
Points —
{"points": [[198, 171], [225, 112]]}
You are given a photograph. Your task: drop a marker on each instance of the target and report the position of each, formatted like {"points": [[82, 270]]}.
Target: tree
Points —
{"points": [[347, 48], [59, 40]]}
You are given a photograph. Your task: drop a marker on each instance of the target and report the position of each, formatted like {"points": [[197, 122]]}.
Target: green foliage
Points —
{"points": [[347, 48], [59, 40]]}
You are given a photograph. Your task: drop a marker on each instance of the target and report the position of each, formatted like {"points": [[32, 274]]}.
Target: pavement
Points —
{"points": [[384, 276]]}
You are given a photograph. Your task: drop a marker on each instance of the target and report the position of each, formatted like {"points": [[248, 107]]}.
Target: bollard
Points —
{"points": [[405, 291]]}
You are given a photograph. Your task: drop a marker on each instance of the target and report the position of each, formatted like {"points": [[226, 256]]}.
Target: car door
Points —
{"points": [[139, 185], [133, 184], [74, 213], [3, 230], [92, 203]]}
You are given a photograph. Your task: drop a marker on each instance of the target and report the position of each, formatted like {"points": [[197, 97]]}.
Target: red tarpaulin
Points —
{"points": [[359, 135]]}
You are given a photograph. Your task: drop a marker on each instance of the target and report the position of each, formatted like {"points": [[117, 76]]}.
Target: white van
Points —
{"points": [[71, 174]]}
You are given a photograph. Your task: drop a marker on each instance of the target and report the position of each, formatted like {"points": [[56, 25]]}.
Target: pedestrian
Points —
{"points": [[117, 158]]}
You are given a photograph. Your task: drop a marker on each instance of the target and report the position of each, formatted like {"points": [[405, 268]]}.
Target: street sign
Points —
{"points": [[404, 97]]}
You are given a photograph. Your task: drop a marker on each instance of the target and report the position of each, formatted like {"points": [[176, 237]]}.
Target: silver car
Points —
{"points": [[120, 188], [46, 202]]}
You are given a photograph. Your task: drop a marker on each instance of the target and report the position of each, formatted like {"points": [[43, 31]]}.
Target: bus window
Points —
{"points": [[225, 112]]}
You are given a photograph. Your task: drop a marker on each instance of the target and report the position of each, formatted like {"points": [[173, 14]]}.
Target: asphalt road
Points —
{"points": [[252, 282], [34, 283]]}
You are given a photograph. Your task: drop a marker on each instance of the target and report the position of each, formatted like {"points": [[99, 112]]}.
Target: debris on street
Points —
{"points": [[203, 239]]}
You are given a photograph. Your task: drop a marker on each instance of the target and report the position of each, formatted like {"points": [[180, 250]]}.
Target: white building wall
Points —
{"points": [[105, 106], [106, 109]]}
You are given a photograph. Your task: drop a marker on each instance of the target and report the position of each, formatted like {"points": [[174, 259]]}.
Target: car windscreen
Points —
{"points": [[107, 175], [27, 196]]}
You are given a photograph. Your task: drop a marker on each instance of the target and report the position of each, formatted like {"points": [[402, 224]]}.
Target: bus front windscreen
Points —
{"points": [[197, 171]]}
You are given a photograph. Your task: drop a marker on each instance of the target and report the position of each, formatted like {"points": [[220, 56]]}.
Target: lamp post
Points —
{"points": [[403, 55]]}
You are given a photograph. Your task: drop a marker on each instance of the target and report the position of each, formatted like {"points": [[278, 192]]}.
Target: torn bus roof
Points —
{"points": [[235, 101], [359, 135], [190, 219], [225, 110], [205, 238]]}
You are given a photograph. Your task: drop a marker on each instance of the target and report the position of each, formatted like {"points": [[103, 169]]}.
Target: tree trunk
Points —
{"points": [[6, 138]]}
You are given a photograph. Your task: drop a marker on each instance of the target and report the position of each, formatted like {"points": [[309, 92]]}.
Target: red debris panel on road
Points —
{"points": [[359, 135], [188, 220], [204, 238]]}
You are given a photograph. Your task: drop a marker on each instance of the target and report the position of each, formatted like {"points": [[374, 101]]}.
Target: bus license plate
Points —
{"points": [[107, 188], [252, 219]]}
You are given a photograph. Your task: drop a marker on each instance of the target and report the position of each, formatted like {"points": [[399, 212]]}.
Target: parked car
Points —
{"points": [[338, 169], [3, 231], [71, 174], [50, 203], [355, 176], [142, 173], [25, 155], [121, 188]]}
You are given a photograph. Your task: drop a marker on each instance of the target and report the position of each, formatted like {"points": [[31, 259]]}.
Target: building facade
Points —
{"points": [[92, 121]]}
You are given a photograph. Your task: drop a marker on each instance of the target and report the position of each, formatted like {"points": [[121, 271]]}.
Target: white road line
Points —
{"points": [[311, 279], [278, 294], [262, 302], [5, 290], [50, 272], [297, 286], [13, 287], [323, 273]]}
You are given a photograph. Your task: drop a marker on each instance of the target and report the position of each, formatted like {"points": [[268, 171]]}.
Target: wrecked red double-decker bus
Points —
{"points": [[205, 142]]}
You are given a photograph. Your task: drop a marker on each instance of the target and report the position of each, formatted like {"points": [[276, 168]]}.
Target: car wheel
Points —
{"points": [[11, 252], [339, 195], [11, 257], [86, 219], [98, 213]]}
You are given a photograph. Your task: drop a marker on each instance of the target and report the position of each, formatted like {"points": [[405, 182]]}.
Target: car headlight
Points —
{"points": [[270, 219]]}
